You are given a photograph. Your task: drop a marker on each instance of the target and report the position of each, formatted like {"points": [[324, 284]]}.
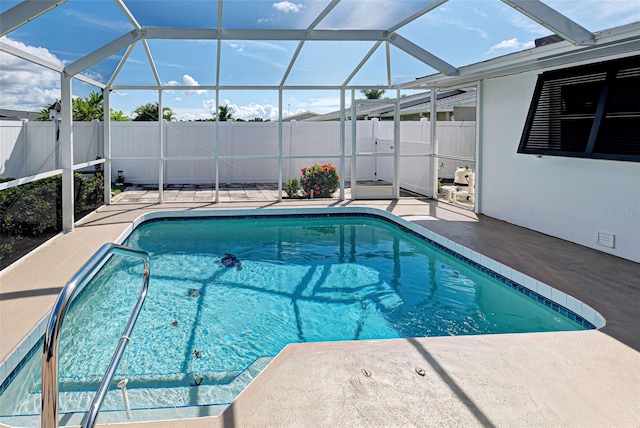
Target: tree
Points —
{"points": [[259, 119], [149, 113], [373, 94], [118, 116], [225, 113], [89, 108], [86, 109], [43, 115]]}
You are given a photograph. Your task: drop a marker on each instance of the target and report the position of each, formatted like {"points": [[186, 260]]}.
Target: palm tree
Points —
{"points": [[225, 113], [149, 113], [373, 94], [118, 116], [89, 108], [44, 115], [83, 109]]}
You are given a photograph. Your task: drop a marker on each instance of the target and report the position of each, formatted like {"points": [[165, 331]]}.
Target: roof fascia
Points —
{"points": [[24, 12], [615, 41], [553, 20]]}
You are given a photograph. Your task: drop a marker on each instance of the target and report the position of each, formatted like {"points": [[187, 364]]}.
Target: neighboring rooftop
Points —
{"points": [[6, 114], [416, 105]]}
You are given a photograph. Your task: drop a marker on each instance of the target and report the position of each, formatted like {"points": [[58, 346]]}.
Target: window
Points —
{"points": [[590, 111]]}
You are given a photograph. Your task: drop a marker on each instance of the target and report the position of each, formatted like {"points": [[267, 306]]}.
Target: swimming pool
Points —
{"points": [[301, 279]]}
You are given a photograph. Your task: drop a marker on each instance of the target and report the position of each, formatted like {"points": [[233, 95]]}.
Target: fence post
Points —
{"points": [[423, 130], [292, 133], [229, 150], [23, 169], [374, 146], [434, 143]]}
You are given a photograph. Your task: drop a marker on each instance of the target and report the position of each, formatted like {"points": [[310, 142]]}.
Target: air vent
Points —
{"points": [[606, 239], [134, 34], [393, 36], [143, 32]]}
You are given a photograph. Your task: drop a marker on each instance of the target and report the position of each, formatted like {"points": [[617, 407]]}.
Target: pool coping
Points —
{"points": [[10, 366]]}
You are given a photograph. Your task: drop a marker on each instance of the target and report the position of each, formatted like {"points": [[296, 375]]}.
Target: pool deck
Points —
{"points": [[569, 379]]}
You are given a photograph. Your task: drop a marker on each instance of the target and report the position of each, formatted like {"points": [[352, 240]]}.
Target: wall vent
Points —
{"points": [[606, 239]]}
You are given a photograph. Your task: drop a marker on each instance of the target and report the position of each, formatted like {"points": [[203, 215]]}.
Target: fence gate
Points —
{"points": [[376, 159]]}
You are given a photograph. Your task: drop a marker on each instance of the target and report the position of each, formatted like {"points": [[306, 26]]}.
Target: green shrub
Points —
{"points": [[293, 189], [32, 213], [320, 181]]}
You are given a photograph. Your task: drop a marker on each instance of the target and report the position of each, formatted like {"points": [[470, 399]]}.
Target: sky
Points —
{"points": [[461, 32]]}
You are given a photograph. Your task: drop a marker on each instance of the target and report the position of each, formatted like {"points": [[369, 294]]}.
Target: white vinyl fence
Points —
{"points": [[249, 151]]}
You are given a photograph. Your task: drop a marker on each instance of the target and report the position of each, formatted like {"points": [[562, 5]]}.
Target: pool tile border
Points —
{"points": [[553, 298]]}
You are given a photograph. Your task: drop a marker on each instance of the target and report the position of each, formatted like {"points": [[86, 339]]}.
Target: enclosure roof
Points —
{"points": [[277, 44]]}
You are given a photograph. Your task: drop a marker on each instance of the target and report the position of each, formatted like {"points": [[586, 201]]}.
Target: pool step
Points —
{"points": [[210, 399], [152, 381]]}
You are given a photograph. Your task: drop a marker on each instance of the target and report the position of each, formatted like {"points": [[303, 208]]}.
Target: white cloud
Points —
{"points": [[264, 111], [186, 81], [186, 114], [511, 44], [178, 99], [211, 105], [246, 112], [287, 6], [25, 85]]}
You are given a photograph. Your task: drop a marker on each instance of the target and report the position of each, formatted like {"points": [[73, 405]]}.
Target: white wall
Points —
{"points": [[569, 198]]}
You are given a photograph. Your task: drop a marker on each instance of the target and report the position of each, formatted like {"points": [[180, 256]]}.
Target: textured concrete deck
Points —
{"points": [[544, 379]]}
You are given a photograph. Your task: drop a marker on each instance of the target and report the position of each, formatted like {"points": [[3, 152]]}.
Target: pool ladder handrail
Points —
{"points": [[49, 398]]}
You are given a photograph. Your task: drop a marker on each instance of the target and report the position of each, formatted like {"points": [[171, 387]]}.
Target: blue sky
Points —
{"points": [[460, 32]]}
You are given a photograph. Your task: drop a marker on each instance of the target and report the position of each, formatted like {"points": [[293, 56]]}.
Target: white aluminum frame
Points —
{"points": [[580, 45]]}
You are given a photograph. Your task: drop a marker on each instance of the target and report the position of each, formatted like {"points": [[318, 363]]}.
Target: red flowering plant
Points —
{"points": [[319, 181]]}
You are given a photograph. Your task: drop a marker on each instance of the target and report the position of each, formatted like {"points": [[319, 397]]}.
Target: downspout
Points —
{"points": [[479, 145]]}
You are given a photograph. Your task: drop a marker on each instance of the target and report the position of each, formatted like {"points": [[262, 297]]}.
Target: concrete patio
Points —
{"points": [[570, 379]]}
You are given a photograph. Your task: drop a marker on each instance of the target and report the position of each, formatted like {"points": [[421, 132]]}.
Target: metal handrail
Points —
{"points": [[49, 402]]}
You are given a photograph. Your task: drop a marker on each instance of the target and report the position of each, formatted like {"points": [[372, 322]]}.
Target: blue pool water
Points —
{"points": [[298, 280]]}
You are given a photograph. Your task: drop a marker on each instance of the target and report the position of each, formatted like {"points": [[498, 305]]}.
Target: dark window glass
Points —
{"points": [[587, 111]]}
